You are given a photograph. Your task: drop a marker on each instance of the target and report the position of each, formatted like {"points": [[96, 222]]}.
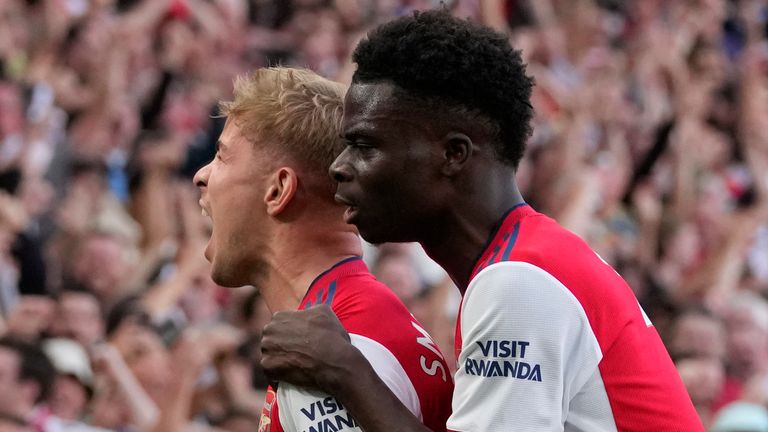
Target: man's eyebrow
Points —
{"points": [[358, 130], [356, 135]]}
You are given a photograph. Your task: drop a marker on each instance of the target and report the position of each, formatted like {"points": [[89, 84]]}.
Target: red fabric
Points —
{"points": [[644, 389], [368, 308], [178, 9]]}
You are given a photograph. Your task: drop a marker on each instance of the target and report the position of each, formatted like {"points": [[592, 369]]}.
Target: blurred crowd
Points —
{"points": [[651, 142]]}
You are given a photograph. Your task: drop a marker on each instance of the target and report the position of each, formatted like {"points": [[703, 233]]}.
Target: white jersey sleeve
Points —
{"points": [[303, 410], [528, 356]]}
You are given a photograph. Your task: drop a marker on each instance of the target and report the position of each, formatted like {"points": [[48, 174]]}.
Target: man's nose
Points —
{"points": [[341, 170], [201, 176]]}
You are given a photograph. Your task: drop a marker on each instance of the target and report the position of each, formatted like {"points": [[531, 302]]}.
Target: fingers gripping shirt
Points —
{"points": [[321, 412], [399, 350]]}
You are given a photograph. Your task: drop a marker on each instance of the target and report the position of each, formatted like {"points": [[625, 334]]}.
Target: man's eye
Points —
{"points": [[358, 144]]}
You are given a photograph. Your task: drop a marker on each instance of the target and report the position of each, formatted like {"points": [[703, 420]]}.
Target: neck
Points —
{"points": [[300, 253], [469, 223]]}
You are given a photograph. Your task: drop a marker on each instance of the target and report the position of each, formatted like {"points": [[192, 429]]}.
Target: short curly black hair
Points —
{"points": [[435, 56]]}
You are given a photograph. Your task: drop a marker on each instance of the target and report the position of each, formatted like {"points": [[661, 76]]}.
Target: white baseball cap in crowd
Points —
{"points": [[741, 417], [69, 358]]}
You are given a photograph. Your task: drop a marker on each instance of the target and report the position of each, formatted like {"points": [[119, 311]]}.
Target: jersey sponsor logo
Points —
{"points": [[503, 348], [437, 364], [503, 358], [503, 368], [327, 415]]}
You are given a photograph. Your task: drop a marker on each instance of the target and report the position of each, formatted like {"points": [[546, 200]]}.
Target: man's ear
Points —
{"points": [[280, 190], [457, 150]]}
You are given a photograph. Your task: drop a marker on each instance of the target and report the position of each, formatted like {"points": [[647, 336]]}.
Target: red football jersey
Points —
{"points": [[403, 355], [551, 338]]}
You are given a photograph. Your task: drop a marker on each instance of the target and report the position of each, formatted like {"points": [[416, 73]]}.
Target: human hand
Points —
{"points": [[30, 316], [194, 227], [36, 196], [236, 375], [163, 154], [190, 354], [222, 339], [13, 216], [123, 390], [647, 203], [309, 348], [692, 99], [197, 348], [107, 360]]}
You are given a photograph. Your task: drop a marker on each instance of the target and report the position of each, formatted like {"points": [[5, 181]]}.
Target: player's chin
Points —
{"points": [[371, 238], [225, 278], [369, 232], [378, 233]]}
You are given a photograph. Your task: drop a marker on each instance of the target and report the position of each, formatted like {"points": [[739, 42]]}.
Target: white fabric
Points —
{"points": [[305, 410], [535, 324]]}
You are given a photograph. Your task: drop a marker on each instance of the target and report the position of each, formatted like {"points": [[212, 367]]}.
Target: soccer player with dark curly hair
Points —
{"points": [[549, 337]]}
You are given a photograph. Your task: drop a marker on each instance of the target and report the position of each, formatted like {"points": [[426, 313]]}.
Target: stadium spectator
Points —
{"points": [[26, 379], [78, 316]]}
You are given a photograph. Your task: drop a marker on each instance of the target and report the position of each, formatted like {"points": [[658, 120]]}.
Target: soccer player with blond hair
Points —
{"points": [[277, 227]]}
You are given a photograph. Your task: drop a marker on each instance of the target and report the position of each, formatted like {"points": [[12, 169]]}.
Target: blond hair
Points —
{"points": [[295, 109]]}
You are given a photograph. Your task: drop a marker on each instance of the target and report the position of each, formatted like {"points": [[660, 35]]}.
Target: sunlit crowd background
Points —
{"points": [[651, 142]]}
